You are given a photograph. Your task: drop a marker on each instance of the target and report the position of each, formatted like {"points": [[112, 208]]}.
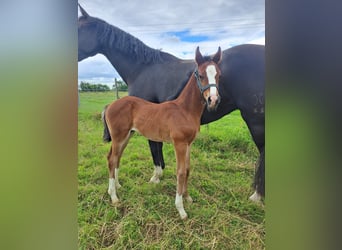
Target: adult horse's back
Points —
{"points": [[157, 76]]}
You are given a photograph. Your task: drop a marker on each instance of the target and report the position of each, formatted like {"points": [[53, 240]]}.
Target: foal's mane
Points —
{"points": [[116, 38]]}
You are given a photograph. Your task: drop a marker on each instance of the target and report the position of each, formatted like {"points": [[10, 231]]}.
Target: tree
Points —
{"points": [[85, 87]]}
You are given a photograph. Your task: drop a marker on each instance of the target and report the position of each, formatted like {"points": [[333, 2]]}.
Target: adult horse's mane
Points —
{"points": [[119, 40]]}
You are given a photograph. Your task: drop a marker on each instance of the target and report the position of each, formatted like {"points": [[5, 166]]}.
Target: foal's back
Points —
{"points": [[157, 121]]}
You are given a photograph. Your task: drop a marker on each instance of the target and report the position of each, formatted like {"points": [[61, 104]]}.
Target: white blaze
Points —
{"points": [[211, 73]]}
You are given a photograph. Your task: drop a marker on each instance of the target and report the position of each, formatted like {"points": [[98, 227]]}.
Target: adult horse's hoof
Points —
{"points": [[154, 180], [157, 173], [255, 197]]}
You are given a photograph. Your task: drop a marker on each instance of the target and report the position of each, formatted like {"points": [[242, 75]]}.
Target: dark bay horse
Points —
{"points": [[157, 76], [178, 122]]}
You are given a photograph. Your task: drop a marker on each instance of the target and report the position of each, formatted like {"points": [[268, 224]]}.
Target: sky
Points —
{"points": [[176, 27]]}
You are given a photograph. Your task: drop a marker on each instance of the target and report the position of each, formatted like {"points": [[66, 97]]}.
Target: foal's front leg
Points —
{"points": [[187, 158], [183, 168]]}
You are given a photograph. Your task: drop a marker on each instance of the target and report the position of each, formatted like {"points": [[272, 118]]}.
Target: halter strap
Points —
{"points": [[203, 88]]}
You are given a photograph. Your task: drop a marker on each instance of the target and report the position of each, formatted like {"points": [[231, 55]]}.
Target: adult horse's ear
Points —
{"points": [[84, 13], [218, 56], [199, 58]]}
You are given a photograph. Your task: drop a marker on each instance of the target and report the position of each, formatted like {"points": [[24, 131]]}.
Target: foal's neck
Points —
{"points": [[191, 99]]}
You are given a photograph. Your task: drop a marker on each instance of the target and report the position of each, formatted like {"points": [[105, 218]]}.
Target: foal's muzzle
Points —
{"points": [[212, 102]]}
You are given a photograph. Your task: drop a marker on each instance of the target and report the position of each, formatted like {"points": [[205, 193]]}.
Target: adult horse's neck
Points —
{"points": [[128, 55], [191, 100]]}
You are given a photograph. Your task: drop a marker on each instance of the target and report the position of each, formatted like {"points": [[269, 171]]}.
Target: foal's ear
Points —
{"points": [[199, 58], [218, 56], [84, 13]]}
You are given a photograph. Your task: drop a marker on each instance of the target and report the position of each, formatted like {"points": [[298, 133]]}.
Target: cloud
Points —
{"points": [[178, 27], [96, 69]]}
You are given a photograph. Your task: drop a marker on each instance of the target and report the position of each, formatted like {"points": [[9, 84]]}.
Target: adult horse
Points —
{"points": [[158, 76]]}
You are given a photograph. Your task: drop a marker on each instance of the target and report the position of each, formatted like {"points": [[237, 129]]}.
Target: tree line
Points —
{"points": [[87, 87]]}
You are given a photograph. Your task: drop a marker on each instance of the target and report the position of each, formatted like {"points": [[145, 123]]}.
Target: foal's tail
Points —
{"points": [[106, 134]]}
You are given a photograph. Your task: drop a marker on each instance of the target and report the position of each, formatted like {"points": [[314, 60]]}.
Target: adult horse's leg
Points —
{"points": [[256, 125], [259, 178], [158, 160], [181, 150]]}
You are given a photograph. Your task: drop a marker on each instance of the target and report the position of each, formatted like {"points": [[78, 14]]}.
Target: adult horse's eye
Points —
{"points": [[201, 77]]}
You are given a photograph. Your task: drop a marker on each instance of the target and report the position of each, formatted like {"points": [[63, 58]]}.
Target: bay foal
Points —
{"points": [[176, 121]]}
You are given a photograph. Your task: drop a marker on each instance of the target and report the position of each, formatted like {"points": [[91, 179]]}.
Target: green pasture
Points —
{"points": [[222, 167]]}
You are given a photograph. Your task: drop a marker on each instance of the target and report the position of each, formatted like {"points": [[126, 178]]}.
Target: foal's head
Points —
{"points": [[207, 74]]}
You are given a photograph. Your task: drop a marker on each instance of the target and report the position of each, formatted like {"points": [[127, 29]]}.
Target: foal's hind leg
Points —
{"points": [[111, 167], [113, 158]]}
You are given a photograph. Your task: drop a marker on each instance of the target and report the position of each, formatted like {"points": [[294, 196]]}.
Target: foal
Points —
{"points": [[176, 121]]}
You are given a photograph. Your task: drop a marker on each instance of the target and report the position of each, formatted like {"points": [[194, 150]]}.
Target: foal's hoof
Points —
{"points": [[189, 199], [184, 216], [117, 185], [115, 201]]}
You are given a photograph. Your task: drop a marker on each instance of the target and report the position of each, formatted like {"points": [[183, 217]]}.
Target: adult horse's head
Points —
{"points": [[88, 44], [207, 76]]}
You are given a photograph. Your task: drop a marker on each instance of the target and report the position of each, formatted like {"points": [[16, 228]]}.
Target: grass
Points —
{"points": [[222, 167]]}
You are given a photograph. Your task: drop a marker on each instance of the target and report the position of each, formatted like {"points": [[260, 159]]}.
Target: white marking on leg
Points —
{"points": [[157, 173], [255, 197], [179, 206], [117, 184], [112, 191]]}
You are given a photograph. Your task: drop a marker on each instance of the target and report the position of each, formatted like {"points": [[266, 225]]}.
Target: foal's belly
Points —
{"points": [[154, 134]]}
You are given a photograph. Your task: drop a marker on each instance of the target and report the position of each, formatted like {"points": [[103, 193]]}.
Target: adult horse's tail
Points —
{"points": [[106, 134]]}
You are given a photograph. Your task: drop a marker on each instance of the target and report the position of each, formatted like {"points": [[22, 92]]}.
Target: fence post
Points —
{"points": [[117, 89]]}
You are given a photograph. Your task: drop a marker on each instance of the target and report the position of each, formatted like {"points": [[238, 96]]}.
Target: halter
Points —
{"points": [[203, 88]]}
